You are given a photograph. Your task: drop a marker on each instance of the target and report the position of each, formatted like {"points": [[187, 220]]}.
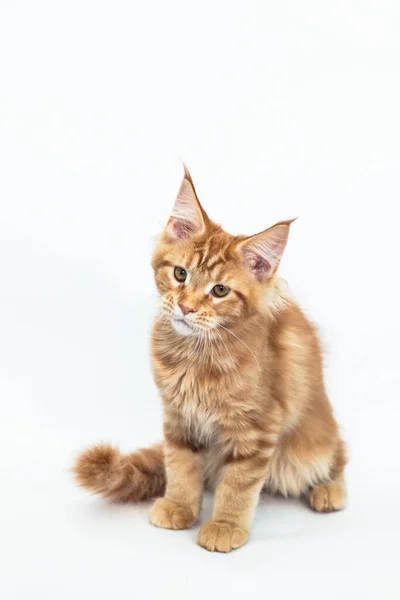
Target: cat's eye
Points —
{"points": [[180, 274], [219, 290]]}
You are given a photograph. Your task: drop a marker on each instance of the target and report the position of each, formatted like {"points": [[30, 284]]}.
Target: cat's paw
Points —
{"points": [[328, 497], [221, 537], [171, 515]]}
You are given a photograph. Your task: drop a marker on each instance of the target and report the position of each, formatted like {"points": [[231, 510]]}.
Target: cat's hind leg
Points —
{"points": [[331, 495]]}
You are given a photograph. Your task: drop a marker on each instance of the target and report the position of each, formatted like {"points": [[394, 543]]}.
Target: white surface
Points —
{"points": [[279, 109]]}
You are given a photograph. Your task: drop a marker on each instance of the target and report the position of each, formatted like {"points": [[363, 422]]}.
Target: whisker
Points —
{"points": [[236, 373], [211, 360], [162, 315], [244, 344], [227, 349]]}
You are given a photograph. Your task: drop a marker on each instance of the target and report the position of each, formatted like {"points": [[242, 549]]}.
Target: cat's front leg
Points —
{"points": [[180, 506], [237, 493]]}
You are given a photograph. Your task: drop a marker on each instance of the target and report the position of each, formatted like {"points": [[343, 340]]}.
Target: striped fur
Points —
{"points": [[241, 382]]}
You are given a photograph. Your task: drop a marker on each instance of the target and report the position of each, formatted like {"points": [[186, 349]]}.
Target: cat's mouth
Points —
{"points": [[181, 326]]}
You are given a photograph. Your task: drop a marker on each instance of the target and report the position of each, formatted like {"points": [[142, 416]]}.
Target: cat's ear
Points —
{"points": [[261, 253], [188, 217]]}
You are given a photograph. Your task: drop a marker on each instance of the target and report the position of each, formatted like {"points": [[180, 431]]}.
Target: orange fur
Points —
{"points": [[241, 381], [103, 470]]}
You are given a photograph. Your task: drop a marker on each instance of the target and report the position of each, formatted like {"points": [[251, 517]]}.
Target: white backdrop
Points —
{"points": [[279, 109]]}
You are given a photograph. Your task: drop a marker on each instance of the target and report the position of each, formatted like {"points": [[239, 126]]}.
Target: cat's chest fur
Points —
{"points": [[196, 403], [200, 426], [202, 400]]}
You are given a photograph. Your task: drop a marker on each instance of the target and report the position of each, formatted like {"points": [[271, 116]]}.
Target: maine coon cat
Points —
{"points": [[239, 371]]}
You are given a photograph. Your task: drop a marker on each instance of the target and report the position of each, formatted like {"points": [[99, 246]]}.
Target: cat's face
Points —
{"points": [[207, 278]]}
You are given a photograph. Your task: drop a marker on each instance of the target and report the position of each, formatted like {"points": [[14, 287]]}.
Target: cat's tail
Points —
{"points": [[102, 469]]}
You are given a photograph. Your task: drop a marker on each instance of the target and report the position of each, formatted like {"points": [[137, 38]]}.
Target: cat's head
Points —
{"points": [[208, 278]]}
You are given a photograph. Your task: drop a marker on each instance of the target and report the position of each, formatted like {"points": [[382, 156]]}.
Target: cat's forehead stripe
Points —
{"points": [[195, 260], [214, 261], [214, 248]]}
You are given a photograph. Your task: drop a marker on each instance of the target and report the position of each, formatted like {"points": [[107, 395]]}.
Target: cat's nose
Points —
{"points": [[186, 309]]}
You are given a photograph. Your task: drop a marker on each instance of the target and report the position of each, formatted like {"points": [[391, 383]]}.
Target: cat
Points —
{"points": [[239, 370]]}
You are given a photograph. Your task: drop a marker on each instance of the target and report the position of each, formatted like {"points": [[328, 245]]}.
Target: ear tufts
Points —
{"points": [[188, 217], [187, 175]]}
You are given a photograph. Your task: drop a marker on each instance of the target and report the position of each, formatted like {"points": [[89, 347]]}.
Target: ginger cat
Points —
{"points": [[239, 371]]}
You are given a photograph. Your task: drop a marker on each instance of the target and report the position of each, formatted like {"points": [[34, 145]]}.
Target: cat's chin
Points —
{"points": [[181, 327]]}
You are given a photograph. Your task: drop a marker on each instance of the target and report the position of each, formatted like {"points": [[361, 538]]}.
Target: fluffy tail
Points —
{"points": [[121, 477]]}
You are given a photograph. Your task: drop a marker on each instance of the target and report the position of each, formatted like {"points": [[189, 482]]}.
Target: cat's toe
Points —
{"points": [[171, 515], [221, 537], [327, 497]]}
